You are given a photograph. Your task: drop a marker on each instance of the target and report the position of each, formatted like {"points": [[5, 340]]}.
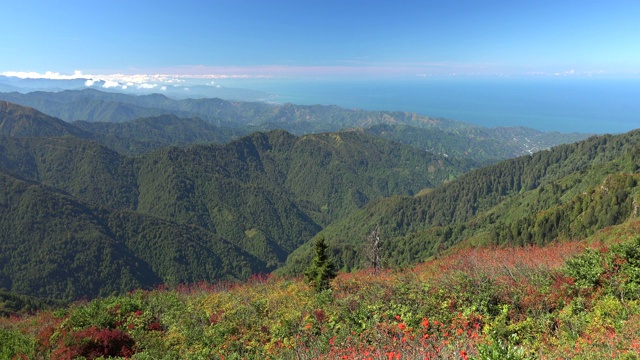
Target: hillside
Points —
{"points": [[568, 300], [20, 121], [57, 246], [230, 210], [567, 192], [143, 135], [129, 138], [92, 105], [484, 145]]}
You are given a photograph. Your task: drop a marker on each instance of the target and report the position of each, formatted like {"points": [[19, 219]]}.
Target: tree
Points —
{"points": [[374, 248], [320, 273]]}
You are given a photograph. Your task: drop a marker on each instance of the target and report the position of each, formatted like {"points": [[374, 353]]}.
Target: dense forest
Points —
{"points": [[567, 192], [105, 222]]}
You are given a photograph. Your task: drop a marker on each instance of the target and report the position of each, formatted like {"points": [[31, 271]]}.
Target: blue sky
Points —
{"points": [[333, 39]]}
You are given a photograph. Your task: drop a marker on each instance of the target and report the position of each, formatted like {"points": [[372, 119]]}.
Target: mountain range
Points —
{"points": [[438, 135], [94, 207], [210, 211]]}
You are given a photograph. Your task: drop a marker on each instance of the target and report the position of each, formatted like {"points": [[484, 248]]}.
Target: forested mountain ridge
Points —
{"points": [[129, 138], [567, 192], [20, 121], [57, 246], [483, 145], [143, 135], [433, 134], [93, 105], [108, 222]]}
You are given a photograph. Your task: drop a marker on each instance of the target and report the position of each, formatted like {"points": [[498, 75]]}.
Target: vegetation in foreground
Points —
{"points": [[566, 300]]}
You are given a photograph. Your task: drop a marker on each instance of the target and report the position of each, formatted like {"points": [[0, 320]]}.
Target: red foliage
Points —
{"points": [[93, 343], [48, 325], [320, 315], [154, 326], [216, 317], [498, 260]]}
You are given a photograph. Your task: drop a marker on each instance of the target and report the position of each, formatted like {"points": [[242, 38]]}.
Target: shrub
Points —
{"points": [[93, 343]]}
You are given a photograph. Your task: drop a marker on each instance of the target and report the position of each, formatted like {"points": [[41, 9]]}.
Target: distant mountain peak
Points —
{"points": [[22, 121]]}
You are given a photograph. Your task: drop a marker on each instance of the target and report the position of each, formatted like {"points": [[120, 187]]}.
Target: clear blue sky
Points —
{"points": [[298, 38]]}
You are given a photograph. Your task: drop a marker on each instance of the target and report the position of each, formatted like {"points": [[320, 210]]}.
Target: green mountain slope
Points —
{"points": [[186, 214], [568, 191], [56, 246], [281, 187], [84, 169], [130, 138], [20, 121], [53, 246], [484, 145], [145, 134], [570, 300], [91, 105]]}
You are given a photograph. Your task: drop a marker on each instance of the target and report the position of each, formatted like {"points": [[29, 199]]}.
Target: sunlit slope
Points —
{"points": [[566, 192]]}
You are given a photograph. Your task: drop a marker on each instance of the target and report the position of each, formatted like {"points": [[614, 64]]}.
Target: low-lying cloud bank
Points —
{"points": [[127, 81]]}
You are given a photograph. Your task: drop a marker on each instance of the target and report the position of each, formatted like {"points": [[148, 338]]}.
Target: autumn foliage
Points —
{"points": [[477, 303]]}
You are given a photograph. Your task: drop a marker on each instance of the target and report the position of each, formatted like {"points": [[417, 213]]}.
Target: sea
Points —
{"points": [[584, 105]]}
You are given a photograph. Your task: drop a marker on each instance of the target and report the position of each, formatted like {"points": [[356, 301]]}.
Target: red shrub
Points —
{"points": [[94, 342]]}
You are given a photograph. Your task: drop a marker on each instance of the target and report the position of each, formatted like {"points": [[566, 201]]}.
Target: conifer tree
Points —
{"points": [[320, 273]]}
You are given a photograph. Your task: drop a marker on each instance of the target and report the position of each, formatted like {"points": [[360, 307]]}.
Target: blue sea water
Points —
{"points": [[586, 105]]}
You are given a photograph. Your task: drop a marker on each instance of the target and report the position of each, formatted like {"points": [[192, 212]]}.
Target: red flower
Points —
{"points": [[425, 322], [463, 355], [393, 355]]}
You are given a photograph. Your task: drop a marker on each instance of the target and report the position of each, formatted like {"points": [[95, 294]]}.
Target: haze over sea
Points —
{"points": [[586, 105]]}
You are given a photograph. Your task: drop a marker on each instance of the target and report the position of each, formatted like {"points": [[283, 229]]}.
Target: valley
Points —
{"points": [[143, 203]]}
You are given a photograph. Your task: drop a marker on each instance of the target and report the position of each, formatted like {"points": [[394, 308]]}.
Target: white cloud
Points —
{"points": [[109, 84], [147, 86], [164, 88], [47, 75], [142, 81]]}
